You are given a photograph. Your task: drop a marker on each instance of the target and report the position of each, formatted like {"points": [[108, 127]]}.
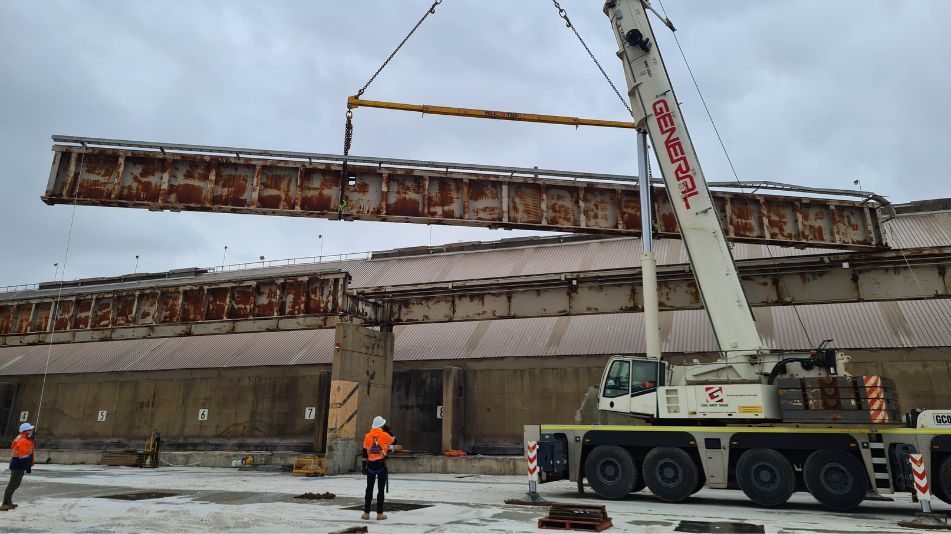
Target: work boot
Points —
{"points": [[380, 517], [4, 507], [365, 516]]}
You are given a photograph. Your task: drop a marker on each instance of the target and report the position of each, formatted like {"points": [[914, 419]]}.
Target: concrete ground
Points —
{"points": [[71, 498]]}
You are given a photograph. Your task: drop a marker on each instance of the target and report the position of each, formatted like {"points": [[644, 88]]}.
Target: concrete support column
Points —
{"points": [[453, 407], [361, 382]]}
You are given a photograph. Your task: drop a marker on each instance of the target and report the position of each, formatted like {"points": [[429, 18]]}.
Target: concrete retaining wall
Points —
{"points": [[263, 408]]}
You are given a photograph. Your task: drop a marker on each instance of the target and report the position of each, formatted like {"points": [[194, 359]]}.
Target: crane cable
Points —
{"points": [[564, 15], [348, 127], [54, 310]]}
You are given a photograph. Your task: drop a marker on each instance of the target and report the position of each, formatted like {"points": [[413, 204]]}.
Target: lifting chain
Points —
{"points": [[348, 128], [344, 173], [564, 15], [430, 11]]}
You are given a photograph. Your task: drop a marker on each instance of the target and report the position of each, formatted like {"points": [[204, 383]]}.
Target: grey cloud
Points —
{"points": [[806, 91]]}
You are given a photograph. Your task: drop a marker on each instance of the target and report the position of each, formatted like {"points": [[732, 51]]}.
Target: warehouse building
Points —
{"points": [[270, 391]]}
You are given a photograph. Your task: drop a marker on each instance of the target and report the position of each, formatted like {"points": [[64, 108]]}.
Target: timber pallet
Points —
{"points": [[576, 517], [125, 458]]}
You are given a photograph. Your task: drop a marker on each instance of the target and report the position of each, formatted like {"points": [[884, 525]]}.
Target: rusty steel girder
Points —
{"points": [[230, 303], [173, 307], [183, 178], [907, 274]]}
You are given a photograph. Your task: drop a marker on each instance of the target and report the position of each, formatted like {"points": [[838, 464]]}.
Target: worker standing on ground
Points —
{"points": [[376, 444], [21, 461]]}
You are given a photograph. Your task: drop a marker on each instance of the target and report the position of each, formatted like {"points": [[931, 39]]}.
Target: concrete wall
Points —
{"points": [[922, 376], [248, 408], [504, 394], [416, 394], [361, 388], [262, 408]]}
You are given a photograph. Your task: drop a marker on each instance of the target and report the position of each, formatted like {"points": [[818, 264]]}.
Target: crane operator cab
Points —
{"points": [[790, 387], [630, 383], [641, 387]]}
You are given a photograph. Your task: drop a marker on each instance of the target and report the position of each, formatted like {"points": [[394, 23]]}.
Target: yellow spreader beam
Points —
{"points": [[354, 102]]}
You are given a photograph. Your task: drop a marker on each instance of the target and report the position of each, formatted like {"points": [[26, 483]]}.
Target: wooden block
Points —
{"points": [[828, 381], [833, 404], [830, 393], [789, 383]]}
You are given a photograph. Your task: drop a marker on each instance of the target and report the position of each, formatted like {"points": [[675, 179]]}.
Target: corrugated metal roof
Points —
{"points": [[446, 341], [919, 230]]}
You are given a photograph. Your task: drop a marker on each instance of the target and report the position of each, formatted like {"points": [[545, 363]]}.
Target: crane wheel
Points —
{"points": [[941, 486], [701, 482], [766, 477], [671, 473], [836, 479], [610, 471]]}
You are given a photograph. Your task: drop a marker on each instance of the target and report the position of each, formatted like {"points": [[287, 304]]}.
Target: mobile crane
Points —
{"points": [[767, 423]]}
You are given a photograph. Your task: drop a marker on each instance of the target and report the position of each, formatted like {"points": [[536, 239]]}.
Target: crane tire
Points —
{"points": [[941, 487], [671, 473], [701, 482], [610, 471], [836, 479], [766, 477]]}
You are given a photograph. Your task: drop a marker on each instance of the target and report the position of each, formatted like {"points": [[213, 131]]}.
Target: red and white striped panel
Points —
{"points": [[531, 453], [920, 477], [876, 398]]}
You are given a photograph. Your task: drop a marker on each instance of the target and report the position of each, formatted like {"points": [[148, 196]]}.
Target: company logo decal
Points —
{"points": [[675, 151], [714, 393]]}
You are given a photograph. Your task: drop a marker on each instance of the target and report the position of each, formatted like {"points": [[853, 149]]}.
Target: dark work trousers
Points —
{"points": [[16, 476], [376, 472]]}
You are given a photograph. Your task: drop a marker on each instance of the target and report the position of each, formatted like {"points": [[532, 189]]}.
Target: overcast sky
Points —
{"points": [[810, 92]]}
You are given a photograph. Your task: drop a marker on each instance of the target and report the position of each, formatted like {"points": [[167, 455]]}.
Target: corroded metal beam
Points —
{"points": [[173, 307], [815, 279], [225, 180], [216, 303]]}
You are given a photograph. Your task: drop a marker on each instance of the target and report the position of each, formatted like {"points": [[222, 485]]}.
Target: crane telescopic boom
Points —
{"points": [[657, 111]]}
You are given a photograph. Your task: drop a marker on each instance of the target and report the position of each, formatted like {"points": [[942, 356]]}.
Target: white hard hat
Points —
{"points": [[378, 421], [26, 427]]}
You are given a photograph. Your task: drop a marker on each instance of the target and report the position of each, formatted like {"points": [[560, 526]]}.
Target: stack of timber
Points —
{"points": [[576, 517], [839, 399], [125, 457]]}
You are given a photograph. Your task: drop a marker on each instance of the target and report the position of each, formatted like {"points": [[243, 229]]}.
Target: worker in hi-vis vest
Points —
{"points": [[376, 444], [21, 461]]}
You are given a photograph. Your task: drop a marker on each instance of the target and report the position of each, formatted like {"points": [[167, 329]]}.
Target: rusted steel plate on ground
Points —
{"points": [[176, 181]]}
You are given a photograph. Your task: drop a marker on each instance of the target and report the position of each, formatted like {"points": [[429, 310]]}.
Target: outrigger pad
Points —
{"points": [[929, 521]]}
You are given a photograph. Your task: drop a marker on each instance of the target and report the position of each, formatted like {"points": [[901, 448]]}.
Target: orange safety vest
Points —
{"points": [[22, 446], [383, 442]]}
